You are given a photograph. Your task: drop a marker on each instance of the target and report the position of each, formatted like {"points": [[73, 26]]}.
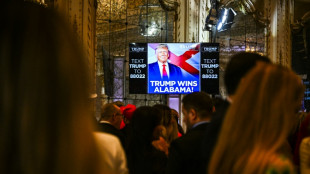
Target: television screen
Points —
{"points": [[173, 68]]}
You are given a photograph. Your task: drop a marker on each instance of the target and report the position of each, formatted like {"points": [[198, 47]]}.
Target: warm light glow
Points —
{"points": [[252, 49], [247, 49]]}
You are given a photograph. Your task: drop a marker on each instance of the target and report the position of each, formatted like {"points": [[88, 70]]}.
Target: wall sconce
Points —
{"points": [[150, 20]]}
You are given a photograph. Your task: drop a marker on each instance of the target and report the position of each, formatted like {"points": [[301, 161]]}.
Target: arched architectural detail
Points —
{"points": [[168, 5]]}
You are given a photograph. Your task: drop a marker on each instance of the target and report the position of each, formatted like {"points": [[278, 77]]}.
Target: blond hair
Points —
{"points": [[258, 121]]}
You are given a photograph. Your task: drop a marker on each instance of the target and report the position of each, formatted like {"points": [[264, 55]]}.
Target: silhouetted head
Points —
{"points": [[143, 123], [196, 107], [238, 66]]}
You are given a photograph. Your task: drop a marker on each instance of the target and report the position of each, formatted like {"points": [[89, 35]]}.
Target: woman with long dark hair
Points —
{"points": [[143, 157]]}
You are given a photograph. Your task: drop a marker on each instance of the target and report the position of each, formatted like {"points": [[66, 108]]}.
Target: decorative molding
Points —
{"points": [[168, 5], [267, 13], [191, 18], [178, 26], [182, 22], [278, 35]]}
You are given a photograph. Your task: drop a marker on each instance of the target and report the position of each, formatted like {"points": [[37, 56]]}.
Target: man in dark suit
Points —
{"points": [[239, 65], [184, 152], [162, 69], [110, 121]]}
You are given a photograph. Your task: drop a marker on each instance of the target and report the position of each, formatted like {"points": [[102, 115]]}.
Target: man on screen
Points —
{"points": [[162, 69]]}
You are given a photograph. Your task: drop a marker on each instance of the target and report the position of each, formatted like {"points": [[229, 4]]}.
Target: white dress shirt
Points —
{"points": [[161, 68], [113, 158]]}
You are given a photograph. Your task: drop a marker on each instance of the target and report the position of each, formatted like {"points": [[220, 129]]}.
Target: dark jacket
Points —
{"points": [[184, 152], [146, 160], [212, 132]]}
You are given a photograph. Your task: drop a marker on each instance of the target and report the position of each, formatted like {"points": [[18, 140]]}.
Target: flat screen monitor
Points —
{"points": [[173, 68]]}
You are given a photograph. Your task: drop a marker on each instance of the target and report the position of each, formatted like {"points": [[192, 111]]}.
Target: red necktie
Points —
{"points": [[165, 75]]}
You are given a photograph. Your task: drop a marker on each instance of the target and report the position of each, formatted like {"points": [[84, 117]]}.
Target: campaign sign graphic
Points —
{"points": [[137, 68], [209, 67]]}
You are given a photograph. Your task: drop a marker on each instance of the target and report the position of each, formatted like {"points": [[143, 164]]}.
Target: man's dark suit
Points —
{"points": [[184, 152], [212, 132], [110, 129], [174, 71]]}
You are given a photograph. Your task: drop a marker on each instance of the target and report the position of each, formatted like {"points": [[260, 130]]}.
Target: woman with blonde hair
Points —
{"points": [[45, 118], [258, 122]]}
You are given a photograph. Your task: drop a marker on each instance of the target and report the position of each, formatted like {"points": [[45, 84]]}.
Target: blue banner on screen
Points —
{"points": [[173, 68]]}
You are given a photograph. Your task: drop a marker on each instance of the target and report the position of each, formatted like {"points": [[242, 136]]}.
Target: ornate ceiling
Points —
{"points": [[119, 13]]}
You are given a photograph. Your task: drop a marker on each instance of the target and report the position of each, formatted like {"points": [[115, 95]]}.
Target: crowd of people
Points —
{"points": [[46, 123]]}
